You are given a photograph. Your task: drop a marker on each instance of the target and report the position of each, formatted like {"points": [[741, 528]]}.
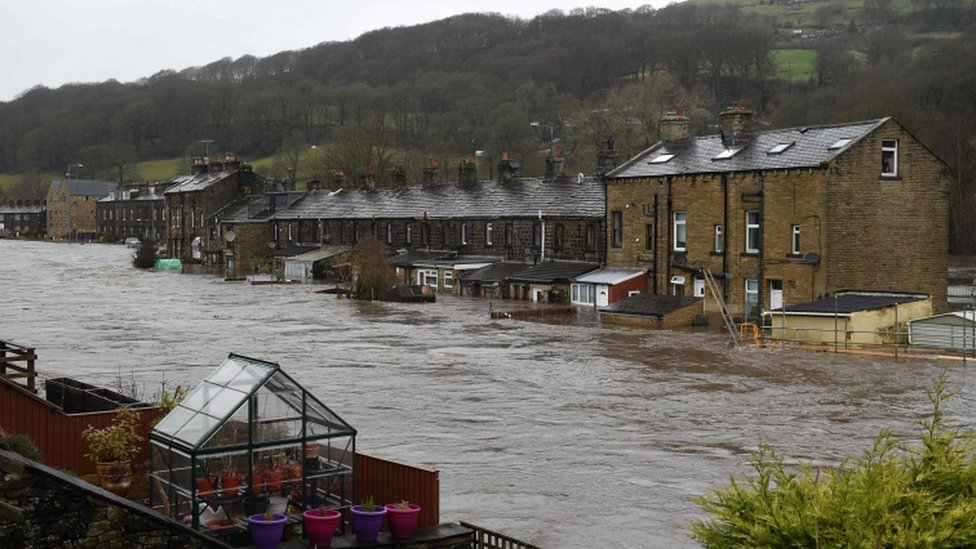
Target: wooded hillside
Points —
{"points": [[475, 82]]}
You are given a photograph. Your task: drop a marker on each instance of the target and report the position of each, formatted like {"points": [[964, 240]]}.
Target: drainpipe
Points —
{"points": [[762, 240], [667, 275], [725, 235], [655, 249]]}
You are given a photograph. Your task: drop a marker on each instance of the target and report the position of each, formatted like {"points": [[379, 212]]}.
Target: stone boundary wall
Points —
{"points": [[44, 507]]}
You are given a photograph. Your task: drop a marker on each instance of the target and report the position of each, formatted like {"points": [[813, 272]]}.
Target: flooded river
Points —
{"points": [[561, 433]]}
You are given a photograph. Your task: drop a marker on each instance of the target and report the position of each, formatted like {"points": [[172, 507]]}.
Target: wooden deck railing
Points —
{"points": [[486, 539], [11, 358]]}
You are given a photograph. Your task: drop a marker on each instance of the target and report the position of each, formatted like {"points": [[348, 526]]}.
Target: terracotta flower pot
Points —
{"points": [[402, 521], [320, 528], [228, 484], [115, 476]]}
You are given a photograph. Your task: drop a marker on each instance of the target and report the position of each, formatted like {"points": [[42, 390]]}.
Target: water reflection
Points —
{"points": [[561, 432]]}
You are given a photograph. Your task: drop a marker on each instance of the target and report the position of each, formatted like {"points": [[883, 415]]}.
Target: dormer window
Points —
{"points": [[889, 158]]}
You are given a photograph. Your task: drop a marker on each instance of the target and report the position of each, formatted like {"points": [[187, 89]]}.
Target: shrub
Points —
{"points": [[893, 495], [120, 441], [145, 255], [21, 444]]}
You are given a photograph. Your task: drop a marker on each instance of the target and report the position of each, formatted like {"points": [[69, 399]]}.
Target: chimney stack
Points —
{"points": [[399, 177], [606, 157], [430, 172], [736, 123], [338, 180], [555, 163], [674, 126], [198, 165], [468, 171], [507, 168]]}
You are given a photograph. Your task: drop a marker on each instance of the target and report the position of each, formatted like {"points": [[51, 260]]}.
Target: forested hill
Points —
{"points": [[476, 81]]}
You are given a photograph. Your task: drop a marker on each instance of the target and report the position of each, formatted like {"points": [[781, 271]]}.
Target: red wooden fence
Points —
{"points": [[390, 482]]}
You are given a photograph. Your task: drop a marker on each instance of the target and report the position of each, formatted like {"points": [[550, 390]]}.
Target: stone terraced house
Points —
{"points": [[782, 217]]}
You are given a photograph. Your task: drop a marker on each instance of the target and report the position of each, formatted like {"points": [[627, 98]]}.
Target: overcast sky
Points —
{"points": [[53, 42]]}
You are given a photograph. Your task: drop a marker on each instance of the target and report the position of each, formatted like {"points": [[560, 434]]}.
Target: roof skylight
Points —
{"points": [[727, 153], [840, 143], [661, 158], [780, 147]]}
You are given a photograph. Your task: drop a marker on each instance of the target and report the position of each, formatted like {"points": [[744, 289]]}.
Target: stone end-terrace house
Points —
{"points": [[71, 205], [782, 216], [190, 200], [525, 220]]}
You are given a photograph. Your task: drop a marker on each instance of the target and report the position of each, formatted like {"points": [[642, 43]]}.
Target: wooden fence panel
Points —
{"points": [[390, 482]]}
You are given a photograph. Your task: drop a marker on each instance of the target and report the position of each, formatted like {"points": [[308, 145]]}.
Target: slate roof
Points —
{"points": [[553, 271], [31, 207], [809, 147], [85, 187], [564, 197], [852, 302], [496, 272], [253, 208], [650, 305], [194, 182], [420, 256], [610, 275]]}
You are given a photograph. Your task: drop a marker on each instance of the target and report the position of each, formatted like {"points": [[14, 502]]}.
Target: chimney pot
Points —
{"points": [[674, 126]]}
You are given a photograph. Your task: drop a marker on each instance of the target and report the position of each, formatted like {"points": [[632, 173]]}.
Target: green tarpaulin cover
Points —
{"points": [[169, 265]]}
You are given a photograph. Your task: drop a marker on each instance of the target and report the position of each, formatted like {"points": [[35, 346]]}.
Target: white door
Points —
{"points": [[602, 296], [699, 287], [775, 294]]}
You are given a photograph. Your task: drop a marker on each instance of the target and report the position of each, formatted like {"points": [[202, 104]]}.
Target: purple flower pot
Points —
{"points": [[367, 524], [266, 534], [402, 521], [321, 528]]}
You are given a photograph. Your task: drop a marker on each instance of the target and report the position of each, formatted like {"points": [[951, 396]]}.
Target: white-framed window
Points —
{"points": [[427, 276], [389, 233], [752, 231], [889, 158], [677, 285], [632, 293], [717, 245], [409, 236], [289, 232], [464, 234], [680, 243], [795, 240], [489, 234], [448, 279], [752, 299], [583, 294]]}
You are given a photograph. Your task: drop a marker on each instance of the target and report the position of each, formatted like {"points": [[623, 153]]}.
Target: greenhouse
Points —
{"points": [[249, 437]]}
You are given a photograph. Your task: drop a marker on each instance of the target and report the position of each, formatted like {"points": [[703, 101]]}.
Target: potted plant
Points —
{"points": [[112, 449], [320, 525], [267, 529], [403, 519], [230, 475], [367, 520]]}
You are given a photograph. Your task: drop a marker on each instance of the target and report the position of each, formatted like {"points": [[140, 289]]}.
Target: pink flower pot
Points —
{"points": [[402, 521], [320, 528]]}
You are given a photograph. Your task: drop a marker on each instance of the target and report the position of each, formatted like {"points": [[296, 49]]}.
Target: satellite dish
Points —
{"points": [[229, 236], [811, 258]]}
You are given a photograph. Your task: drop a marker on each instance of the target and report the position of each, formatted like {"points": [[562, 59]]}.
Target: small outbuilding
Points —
{"points": [[247, 437], [849, 318], [608, 285], [955, 331], [654, 311]]}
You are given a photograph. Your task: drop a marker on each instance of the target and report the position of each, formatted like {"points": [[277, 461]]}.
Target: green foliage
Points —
{"points": [[21, 444], [794, 65], [895, 495], [373, 272], [368, 504], [117, 442], [145, 255]]}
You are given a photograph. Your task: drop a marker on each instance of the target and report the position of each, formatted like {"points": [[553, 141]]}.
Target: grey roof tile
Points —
{"points": [[808, 147], [650, 305], [553, 271], [847, 303]]}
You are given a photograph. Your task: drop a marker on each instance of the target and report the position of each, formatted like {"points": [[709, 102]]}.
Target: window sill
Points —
{"points": [[749, 254], [716, 254], [889, 178], [794, 256]]}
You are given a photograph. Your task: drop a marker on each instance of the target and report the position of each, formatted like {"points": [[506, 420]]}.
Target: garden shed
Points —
{"points": [[246, 437], [955, 330]]}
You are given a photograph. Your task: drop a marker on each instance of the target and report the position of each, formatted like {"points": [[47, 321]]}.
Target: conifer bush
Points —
{"points": [[896, 494]]}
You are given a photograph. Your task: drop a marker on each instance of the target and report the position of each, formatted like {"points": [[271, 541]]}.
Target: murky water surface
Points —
{"points": [[564, 434]]}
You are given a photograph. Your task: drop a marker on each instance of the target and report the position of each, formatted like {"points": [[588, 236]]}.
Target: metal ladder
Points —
{"points": [[726, 313]]}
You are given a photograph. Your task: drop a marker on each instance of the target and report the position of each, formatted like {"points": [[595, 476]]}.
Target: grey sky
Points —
{"points": [[53, 42]]}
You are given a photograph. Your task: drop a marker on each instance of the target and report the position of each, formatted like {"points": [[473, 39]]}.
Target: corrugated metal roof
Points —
{"points": [[848, 303], [967, 316], [322, 253], [802, 147], [610, 275], [480, 200]]}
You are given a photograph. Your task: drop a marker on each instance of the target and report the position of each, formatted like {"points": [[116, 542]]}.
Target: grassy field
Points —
{"points": [[794, 65]]}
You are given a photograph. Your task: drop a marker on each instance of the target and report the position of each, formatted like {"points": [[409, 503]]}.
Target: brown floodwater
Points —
{"points": [[563, 433]]}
